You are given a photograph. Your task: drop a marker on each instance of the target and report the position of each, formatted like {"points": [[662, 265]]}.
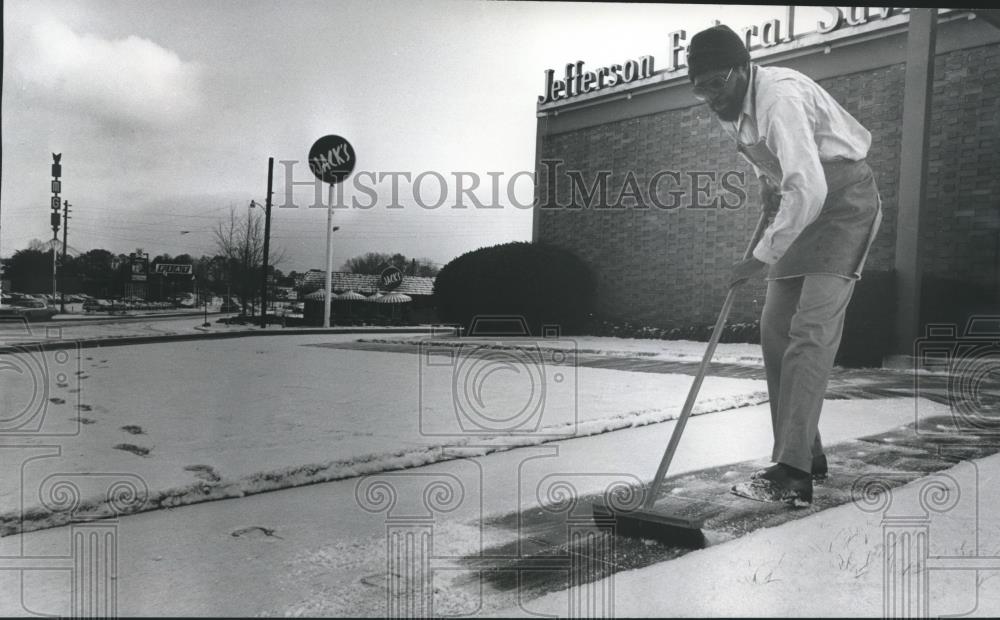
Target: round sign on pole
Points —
{"points": [[332, 159], [390, 278]]}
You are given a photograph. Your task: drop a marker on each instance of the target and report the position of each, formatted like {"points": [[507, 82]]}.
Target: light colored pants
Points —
{"points": [[800, 329]]}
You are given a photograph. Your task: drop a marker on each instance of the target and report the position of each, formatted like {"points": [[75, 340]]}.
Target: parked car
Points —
{"points": [[32, 309], [96, 305]]}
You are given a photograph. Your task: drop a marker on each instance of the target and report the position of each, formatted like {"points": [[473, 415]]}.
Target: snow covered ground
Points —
{"points": [[191, 421], [231, 417]]}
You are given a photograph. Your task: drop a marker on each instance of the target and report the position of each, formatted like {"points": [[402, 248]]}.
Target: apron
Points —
{"points": [[838, 241]]}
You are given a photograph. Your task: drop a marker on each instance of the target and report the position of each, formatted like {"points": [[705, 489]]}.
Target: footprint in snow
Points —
{"points": [[134, 449], [254, 529], [204, 472]]}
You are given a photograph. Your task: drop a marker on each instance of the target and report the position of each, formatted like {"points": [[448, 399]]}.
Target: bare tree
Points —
{"points": [[375, 262], [240, 241]]}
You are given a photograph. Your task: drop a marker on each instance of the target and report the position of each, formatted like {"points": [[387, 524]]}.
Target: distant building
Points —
{"points": [[365, 283], [420, 289]]}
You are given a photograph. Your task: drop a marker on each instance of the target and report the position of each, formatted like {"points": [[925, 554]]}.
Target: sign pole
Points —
{"points": [[54, 216], [62, 291], [329, 260], [55, 241], [332, 160], [267, 239]]}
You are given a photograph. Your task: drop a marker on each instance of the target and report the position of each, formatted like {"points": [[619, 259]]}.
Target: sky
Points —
{"points": [[166, 113]]}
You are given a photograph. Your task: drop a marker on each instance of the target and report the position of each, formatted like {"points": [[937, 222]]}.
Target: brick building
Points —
{"points": [[662, 255]]}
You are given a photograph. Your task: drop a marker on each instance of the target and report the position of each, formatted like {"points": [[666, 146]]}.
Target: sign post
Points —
{"points": [[54, 217], [267, 241], [332, 160]]}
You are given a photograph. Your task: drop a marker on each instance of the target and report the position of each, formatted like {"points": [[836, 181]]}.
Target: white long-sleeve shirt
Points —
{"points": [[802, 126]]}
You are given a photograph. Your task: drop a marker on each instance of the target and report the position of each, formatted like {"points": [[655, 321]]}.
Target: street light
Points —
{"points": [[329, 262]]}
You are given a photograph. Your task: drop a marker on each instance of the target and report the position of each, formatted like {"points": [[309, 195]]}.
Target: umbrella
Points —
{"points": [[351, 296], [393, 298], [320, 295]]}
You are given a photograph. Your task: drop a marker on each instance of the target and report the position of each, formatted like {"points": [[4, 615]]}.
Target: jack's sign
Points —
{"points": [[332, 159], [390, 278]]}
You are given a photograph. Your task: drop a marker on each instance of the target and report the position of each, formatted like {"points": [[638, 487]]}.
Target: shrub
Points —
{"points": [[732, 332], [542, 283]]}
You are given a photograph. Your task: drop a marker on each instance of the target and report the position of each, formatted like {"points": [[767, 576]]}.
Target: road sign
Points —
{"points": [[55, 204], [171, 269], [332, 159], [391, 278]]}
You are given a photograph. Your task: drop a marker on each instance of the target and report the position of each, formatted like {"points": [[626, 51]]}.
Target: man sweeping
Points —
{"points": [[809, 155]]}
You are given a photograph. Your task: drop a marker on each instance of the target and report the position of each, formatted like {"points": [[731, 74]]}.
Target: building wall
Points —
{"points": [[661, 266], [962, 237]]}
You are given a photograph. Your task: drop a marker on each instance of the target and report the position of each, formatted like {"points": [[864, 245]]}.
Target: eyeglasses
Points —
{"points": [[712, 87]]}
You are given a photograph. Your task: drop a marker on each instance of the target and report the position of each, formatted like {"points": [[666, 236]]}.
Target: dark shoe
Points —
{"points": [[819, 469], [780, 483]]}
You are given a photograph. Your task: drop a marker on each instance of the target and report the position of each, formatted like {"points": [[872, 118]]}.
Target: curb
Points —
{"points": [[112, 341]]}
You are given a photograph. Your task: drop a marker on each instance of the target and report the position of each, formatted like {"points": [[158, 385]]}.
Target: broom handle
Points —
{"points": [[675, 438]]}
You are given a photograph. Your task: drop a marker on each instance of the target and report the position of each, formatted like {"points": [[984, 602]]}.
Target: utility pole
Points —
{"points": [[267, 239], [62, 279]]}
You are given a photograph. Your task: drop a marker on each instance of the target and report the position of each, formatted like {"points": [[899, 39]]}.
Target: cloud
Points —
{"points": [[124, 80]]}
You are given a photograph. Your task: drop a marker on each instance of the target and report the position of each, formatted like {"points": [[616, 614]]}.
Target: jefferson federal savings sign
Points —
{"points": [[577, 81]]}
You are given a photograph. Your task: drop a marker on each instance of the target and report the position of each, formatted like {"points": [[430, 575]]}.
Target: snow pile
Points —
{"points": [[747, 354]]}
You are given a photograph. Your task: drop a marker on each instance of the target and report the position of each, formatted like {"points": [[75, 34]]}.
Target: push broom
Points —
{"points": [[644, 522]]}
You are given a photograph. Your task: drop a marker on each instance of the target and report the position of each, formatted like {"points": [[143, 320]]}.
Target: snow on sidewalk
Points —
{"points": [[193, 421], [848, 561]]}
